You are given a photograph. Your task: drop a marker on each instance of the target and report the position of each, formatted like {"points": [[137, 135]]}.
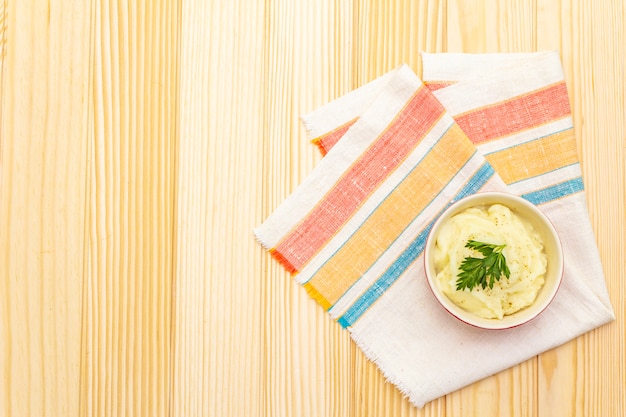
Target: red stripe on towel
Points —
{"points": [[361, 179], [437, 85], [520, 113]]}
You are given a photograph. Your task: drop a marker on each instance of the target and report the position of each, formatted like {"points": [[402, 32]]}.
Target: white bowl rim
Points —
{"points": [[507, 322]]}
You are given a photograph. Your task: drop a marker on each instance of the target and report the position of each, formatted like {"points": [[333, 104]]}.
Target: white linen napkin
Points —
{"points": [[353, 232]]}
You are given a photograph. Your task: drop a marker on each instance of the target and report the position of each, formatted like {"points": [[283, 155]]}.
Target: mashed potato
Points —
{"points": [[524, 254]]}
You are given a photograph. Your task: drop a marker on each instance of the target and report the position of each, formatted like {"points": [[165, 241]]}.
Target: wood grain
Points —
{"points": [[43, 144], [218, 339], [140, 144], [131, 189]]}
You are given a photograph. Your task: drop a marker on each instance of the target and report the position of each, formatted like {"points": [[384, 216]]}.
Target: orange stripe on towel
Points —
{"points": [[437, 85], [283, 261], [328, 140]]}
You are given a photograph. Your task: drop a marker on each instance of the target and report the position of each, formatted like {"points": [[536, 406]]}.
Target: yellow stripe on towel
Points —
{"points": [[539, 156]]}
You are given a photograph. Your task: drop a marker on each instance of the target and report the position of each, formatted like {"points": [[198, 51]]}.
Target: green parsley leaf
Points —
{"points": [[482, 271]]}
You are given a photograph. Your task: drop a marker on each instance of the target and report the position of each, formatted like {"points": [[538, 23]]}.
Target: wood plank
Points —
{"points": [[219, 338], [44, 78], [395, 32], [494, 26], [581, 378], [555, 394], [308, 357], [490, 26], [126, 334], [388, 34]]}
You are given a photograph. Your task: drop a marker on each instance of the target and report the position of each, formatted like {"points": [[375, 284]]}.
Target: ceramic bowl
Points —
{"points": [[552, 247]]}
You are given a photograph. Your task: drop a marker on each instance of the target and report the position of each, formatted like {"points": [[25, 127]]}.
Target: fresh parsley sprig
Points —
{"points": [[482, 271]]}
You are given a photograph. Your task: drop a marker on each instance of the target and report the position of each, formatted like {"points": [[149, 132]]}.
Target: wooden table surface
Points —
{"points": [[141, 142]]}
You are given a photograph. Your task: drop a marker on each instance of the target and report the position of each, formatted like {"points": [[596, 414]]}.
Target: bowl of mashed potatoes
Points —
{"points": [[493, 260]]}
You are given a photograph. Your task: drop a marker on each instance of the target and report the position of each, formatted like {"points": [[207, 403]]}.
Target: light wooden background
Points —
{"points": [[141, 141]]}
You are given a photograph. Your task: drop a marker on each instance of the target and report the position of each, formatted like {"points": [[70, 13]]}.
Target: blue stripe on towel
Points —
{"points": [[554, 192]]}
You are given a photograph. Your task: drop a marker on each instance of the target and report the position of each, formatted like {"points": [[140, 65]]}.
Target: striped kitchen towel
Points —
{"points": [[396, 155]]}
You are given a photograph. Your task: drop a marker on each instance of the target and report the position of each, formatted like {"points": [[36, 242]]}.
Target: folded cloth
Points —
{"points": [[397, 155]]}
